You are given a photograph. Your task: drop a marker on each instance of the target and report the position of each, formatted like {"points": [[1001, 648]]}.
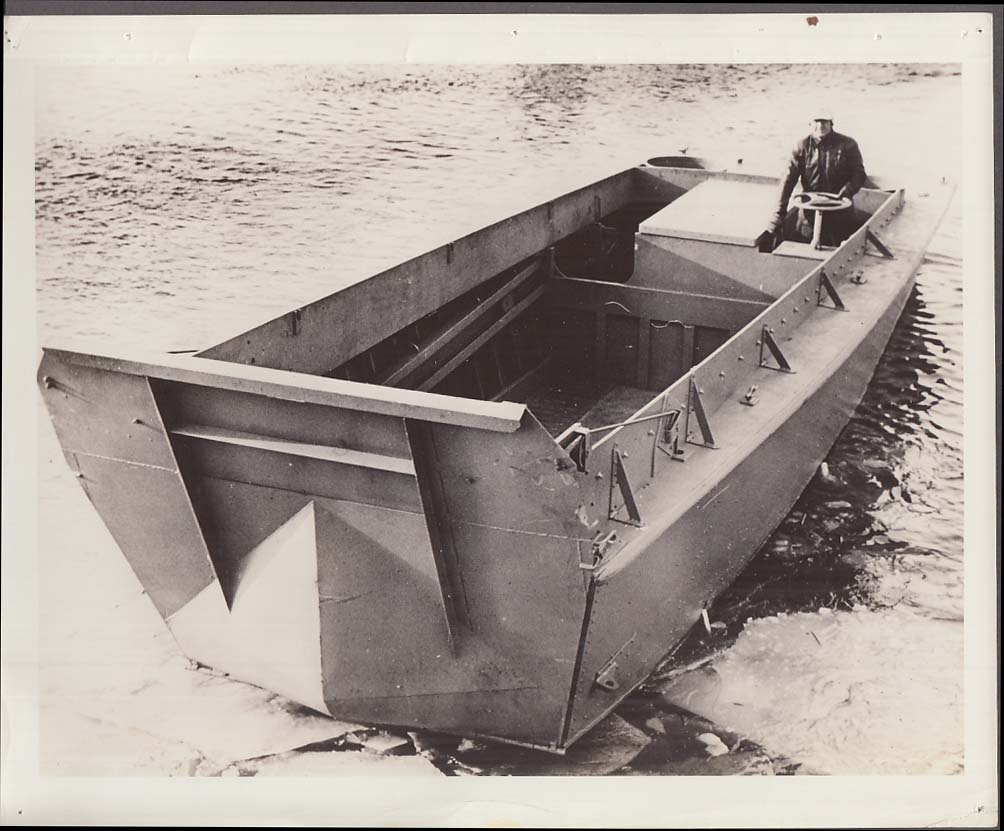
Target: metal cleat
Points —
{"points": [[750, 399]]}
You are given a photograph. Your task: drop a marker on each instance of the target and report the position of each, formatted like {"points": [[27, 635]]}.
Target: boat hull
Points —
{"points": [[406, 557], [657, 598]]}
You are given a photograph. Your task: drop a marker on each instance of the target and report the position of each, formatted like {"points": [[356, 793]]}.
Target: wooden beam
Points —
{"points": [[503, 417], [303, 474], [442, 339], [497, 360], [325, 453], [481, 339], [514, 390]]}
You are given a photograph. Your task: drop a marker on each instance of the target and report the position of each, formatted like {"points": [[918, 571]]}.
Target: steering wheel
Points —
{"points": [[817, 200], [820, 202]]}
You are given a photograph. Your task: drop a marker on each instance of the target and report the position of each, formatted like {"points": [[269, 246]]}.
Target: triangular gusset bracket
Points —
{"points": [[767, 340], [696, 406], [826, 286], [619, 481], [881, 246]]}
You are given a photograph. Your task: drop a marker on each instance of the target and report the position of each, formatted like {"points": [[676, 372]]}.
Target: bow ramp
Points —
{"points": [[326, 539]]}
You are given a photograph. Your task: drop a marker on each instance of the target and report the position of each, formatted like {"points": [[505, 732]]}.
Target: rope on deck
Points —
{"points": [[625, 423]]}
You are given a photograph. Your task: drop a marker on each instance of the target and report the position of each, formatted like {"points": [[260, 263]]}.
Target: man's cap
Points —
{"points": [[822, 117]]}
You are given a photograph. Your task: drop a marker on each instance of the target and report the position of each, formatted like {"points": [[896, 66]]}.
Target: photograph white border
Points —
{"points": [[30, 42]]}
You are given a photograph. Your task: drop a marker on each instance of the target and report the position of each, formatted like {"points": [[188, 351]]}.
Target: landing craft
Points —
{"points": [[486, 491]]}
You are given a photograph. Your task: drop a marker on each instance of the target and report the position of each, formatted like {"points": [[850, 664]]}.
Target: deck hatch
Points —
{"points": [[716, 210]]}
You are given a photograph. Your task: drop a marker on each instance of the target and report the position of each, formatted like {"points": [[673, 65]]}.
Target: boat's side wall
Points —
{"points": [[727, 500], [324, 334], [731, 367], [678, 566], [668, 584]]}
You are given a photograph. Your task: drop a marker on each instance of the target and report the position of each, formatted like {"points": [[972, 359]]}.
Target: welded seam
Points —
{"points": [[122, 461], [579, 655]]}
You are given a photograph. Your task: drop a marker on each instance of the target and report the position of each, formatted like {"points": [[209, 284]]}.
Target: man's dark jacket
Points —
{"points": [[826, 164]]}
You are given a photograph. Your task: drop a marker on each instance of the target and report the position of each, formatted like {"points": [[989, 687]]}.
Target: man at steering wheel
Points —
{"points": [[825, 161]]}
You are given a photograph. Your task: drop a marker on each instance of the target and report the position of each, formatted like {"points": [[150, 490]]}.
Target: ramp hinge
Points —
{"points": [[825, 284], [767, 339]]}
